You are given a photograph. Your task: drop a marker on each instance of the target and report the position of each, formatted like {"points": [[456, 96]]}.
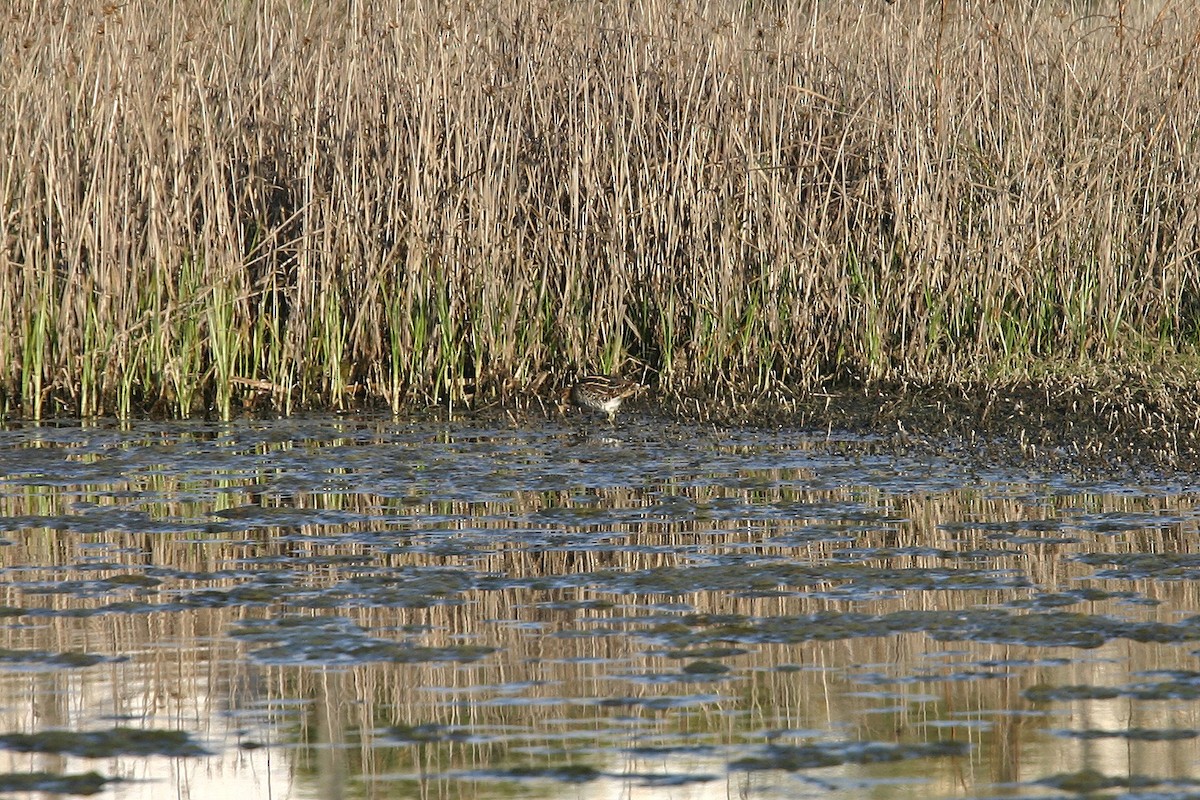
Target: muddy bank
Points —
{"points": [[1116, 429]]}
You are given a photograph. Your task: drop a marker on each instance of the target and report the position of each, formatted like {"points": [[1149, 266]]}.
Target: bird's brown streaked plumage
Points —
{"points": [[603, 393]]}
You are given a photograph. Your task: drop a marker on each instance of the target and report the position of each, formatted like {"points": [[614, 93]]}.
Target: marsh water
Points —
{"points": [[482, 608]]}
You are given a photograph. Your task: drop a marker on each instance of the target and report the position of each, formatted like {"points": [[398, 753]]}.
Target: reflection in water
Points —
{"points": [[358, 608]]}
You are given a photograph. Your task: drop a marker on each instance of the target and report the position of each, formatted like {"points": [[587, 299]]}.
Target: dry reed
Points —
{"points": [[208, 205]]}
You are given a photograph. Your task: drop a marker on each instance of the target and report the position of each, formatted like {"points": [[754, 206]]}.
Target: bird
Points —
{"points": [[602, 393]]}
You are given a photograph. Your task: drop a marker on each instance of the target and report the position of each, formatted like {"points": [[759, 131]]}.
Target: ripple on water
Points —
{"points": [[478, 609]]}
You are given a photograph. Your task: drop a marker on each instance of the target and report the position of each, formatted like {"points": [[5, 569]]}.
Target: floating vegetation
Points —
{"points": [[1024, 539], [1183, 686], [1039, 693], [337, 640], [657, 702], [86, 783], [54, 660], [1139, 566], [1070, 598], [705, 668], [695, 672], [428, 733], [99, 586], [569, 773], [1089, 781], [1133, 734], [832, 754], [1057, 629], [749, 580], [705, 652], [104, 744]]}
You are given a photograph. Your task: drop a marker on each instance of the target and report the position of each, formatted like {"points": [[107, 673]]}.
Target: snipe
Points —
{"points": [[602, 393]]}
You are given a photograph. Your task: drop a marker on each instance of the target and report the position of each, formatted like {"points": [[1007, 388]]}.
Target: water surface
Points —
{"points": [[331, 607]]}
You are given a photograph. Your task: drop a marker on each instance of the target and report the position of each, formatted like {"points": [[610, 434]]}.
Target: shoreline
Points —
{"points": [[1117, 431]]}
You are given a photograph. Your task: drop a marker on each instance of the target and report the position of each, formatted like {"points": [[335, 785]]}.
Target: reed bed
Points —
{"points": [[209, 205]]}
